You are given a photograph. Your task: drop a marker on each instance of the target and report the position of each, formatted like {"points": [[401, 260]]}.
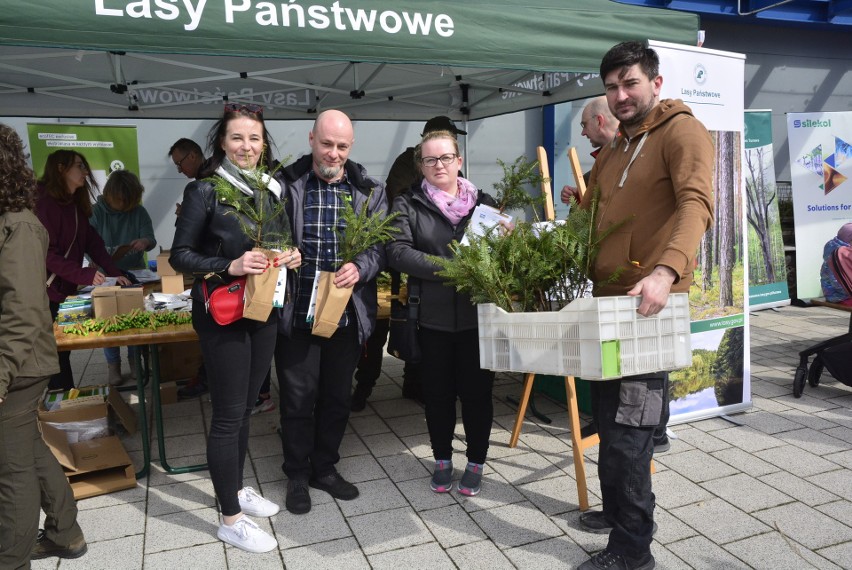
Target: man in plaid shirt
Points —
{"points": [[315, 373]]}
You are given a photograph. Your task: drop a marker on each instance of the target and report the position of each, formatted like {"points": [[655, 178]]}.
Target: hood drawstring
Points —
{"points": [[635, 154]]}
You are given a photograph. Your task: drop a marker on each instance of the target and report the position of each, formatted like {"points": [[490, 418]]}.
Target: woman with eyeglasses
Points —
{"points": [[64, 206], [432, 215], [210, 243]]}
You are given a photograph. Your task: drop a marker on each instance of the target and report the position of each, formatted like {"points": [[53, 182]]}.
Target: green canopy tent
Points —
{"points": [[375, 59]]}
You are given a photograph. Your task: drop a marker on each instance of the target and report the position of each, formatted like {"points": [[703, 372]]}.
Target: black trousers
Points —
{"points": [[237, 358], [453, 373], [627, 413], [369, 366], [315, 381], [64, 379]]}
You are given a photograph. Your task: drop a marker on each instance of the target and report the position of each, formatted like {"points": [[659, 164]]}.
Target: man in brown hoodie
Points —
{"points": [[656, 178]]}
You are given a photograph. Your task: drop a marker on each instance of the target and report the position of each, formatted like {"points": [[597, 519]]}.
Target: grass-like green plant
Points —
{"points": [[256, 213], [532, 267], [361, 230]]}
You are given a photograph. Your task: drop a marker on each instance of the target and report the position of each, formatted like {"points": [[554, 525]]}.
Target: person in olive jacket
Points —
{"points": [[431, 216], [28, 469]]}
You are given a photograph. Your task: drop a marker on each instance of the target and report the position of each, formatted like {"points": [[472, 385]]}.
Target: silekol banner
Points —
{"points": [[767, 271], [711, 83], [820, 171], [106, 148]]}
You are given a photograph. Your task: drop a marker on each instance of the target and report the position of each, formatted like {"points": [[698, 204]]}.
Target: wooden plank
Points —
{"points": [[579, 181], [130, 337], [546, 190]]}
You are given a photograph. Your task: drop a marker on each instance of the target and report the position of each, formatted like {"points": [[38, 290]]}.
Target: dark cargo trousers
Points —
{"points": [[627, 412], [30, 477]]}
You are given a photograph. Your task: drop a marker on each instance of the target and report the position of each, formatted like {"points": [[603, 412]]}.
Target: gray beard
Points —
{"points": [[329, 172]]}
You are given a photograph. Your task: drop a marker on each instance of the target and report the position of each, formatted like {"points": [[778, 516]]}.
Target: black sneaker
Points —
{"points": [[595, 521], [662, 445], [46, 548], [336, 486], [606, 560], [298, 499]]}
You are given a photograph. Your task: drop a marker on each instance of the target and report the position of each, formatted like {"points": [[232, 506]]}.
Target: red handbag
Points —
{"points": [[226, 303]]}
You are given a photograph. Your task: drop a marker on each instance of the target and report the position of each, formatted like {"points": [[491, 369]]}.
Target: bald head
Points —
{"points": [[599, 124], [331, 141]]}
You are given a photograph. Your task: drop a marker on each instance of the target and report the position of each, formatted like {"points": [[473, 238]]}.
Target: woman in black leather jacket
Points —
{"points": [[211, 245], [431, 216]]}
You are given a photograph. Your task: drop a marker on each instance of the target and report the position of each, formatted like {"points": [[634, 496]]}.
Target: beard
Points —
{"points": [[329, 172], [638, 116]]}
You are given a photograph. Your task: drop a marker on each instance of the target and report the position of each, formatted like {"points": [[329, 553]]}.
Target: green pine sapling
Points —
{"points": [[361, 230], [257, 215]]}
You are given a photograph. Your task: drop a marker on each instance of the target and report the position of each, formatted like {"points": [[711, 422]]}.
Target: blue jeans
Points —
{"points": [[627, 412], [113, 354]]}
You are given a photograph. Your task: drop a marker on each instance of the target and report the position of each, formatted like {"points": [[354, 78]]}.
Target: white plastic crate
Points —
{"points": [[597, 338]]}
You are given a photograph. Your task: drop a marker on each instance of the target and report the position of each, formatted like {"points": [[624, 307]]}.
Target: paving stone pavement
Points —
{"points": [[767, 488]]}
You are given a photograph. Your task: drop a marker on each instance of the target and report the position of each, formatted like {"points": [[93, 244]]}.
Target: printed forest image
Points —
{"points": [[718, 287], [715, 378], [765, 244]]}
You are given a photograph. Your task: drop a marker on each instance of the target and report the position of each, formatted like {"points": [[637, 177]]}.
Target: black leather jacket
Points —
{"points": [[424, 230], [208, 237]]}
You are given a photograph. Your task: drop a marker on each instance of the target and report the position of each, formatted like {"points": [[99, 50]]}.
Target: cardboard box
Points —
{"points": [[172, 284], [110, 301], [179, 360], [164, 268], [94, 467], [168, 393], [90, 407]]}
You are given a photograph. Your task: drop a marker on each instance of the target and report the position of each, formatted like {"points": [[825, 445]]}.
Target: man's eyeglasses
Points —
{"points": [[446, 160], [179, 163], [237, 107]]}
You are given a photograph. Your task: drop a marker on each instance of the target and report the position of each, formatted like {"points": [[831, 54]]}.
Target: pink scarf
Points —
{"points": [[455, 207]]}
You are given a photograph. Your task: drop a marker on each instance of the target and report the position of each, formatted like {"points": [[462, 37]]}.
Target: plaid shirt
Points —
{"points": [[320, 249]]}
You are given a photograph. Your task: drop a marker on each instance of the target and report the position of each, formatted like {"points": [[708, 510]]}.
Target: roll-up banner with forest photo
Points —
{"points": [[767, 272], [711, 83]]}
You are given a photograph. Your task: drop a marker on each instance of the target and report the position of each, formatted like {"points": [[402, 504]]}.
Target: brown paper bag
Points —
{"points": [[331, 302], [260, 289]]}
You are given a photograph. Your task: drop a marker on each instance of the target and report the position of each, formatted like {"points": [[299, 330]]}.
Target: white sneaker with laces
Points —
{"points": [[246, 535], [253, 504]]}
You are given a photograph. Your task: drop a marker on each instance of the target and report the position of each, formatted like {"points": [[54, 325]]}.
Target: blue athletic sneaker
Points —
{"points": [[471, 481], [442, 478]]}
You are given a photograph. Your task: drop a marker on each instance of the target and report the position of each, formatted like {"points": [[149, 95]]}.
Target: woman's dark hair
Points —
{"points": [[123, 187], [628, 54], [17, 181], [219, 129], [53, 180]]}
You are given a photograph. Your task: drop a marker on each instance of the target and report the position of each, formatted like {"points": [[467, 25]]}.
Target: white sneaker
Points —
{"points": [[253, 504], [246, 535]]}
